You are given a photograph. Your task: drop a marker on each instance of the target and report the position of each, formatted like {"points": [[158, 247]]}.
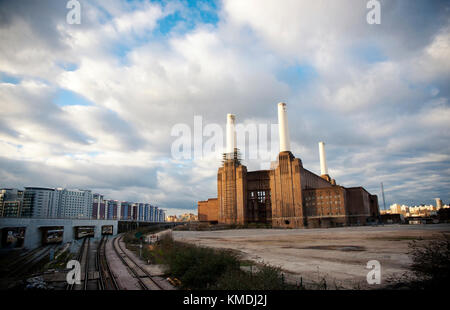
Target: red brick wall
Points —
{"points": [[374, 208], [358, 202], [208, 210], [232, 192], [286, 192], [311, 180]]}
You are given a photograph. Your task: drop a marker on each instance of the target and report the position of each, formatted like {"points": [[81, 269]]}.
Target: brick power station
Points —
{"points": [[287, 195]]}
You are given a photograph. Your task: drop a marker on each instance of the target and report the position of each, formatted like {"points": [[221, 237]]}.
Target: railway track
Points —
{"points": [[20, 260], [144, 278], [106, 280], [91, 282], [97, 274], [88, 261], [79, 258], [29, 262]]}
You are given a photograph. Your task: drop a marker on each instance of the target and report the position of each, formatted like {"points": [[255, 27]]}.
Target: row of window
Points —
{"points": [[323, 203], [321, 197], [322, 214]]}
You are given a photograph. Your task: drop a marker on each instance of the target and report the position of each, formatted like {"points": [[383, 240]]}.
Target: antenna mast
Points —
{"points": [[382, 194]]}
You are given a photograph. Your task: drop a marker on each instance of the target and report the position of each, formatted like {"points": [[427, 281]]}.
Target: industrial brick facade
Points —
{"points": [[286, 192], [208, 211], [231, 186], [287, 195]]}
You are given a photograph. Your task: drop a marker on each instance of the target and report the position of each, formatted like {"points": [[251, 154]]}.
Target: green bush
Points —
{"points": [[206, 268], [266, 278], [431, 261], [430, 268], [198, 267], [130, 237]]}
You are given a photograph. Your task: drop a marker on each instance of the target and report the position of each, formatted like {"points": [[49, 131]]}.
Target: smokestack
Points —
{"points": [[285, 142], [231, 133], [323, 160]]}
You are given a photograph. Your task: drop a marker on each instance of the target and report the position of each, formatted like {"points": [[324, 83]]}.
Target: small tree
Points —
{"points": [[431, 261]]}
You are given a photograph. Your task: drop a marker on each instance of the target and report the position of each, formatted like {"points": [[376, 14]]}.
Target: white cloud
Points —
{"points": [[139, 21], [377, 96]]}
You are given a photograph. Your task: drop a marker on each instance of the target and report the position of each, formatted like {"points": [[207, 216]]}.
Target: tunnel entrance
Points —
{"points": [[12, 237], [84, 231], [52, 234], [107, 230]]}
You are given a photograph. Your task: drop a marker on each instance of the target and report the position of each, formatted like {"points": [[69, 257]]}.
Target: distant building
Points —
{"points": [[140, 210], [134, 209], [11, 201], [74, 203], [438, 203], [42, 202], [172, 218], [186, 217], [422, 211], [98, 206], [396, 209], [125, 210], [155, 214], [161, 216], [111, 209], [39, 202], [146, 212], [392, 218]]}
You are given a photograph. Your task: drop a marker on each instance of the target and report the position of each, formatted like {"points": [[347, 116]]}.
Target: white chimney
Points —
{"points": [[285, 142], [231, 133], [323, 160]]}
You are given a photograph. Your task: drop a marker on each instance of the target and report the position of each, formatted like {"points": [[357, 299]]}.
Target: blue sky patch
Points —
{"points": [[165, 25], [296, 75], [199, 12], [7, 78], [207, 10], [68, 66], [368, 53], [66, 97], [121, 50]]}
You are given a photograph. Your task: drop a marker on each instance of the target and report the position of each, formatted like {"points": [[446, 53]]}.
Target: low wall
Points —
{"points": [[33, 234]]}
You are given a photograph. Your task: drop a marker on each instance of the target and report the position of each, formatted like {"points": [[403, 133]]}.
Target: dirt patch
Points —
{"points": [[345, 248], [335, 254]]}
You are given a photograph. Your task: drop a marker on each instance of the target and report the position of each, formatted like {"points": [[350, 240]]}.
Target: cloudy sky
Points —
{"points": [[93, 105]]}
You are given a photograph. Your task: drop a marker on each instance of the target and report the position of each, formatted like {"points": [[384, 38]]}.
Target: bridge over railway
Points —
{"points": [[34, 232], [124, 226]]}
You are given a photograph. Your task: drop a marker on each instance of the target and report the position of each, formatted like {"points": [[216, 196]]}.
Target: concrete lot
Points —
{"points": [[338, 255]]}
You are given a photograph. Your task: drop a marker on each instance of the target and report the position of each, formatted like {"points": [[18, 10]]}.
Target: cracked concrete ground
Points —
{"points": [[338, 255]]}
